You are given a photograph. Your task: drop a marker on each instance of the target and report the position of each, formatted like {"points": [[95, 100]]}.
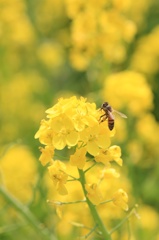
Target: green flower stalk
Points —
{"points": [[74, 124], [93, 210]]}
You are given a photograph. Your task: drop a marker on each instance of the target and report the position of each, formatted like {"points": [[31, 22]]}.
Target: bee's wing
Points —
{"points": [[111, 115], [121, 114]]}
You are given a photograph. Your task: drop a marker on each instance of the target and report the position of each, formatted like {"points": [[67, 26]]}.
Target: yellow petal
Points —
{"points": [[46, 154], [59, 142], [59, 211], [84, 135], [92, 148], [57, 124], [120, 199], [119, 161], [91, 120], [102, 158], [79, 158], [94, 194], [115, 151], [62, 189], [68, 123], [103, 141], [72, 138]]}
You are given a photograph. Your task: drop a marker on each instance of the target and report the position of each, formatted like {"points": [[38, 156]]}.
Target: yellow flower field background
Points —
{"points": [[105, 50]]}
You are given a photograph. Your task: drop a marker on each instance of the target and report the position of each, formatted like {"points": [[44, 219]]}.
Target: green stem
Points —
{"points": [[107, 201], [64, 203], [90, 167], [123, 221], [106, 235], [25, 212]]}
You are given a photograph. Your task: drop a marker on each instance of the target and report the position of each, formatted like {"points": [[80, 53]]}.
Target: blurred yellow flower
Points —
{"points": [[132, 90], [138, 10], [109, 173], [145, 58], [148, 128], [16, 24], [93, 193], [17, 94], [113, 153], [58, 176], [46, 154], [44, 133], [19, 173], [22, 31], [78, 60], [120, 198], [122, 4], [149, 217], [78, 159], [73, 7], [48, 13], [99, 28], [50, 54]]}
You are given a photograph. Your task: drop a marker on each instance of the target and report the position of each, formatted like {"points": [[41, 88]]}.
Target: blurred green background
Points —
{"points": [[59, 48]]}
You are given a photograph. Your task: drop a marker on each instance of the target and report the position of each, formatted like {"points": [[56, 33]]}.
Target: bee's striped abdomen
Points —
{"points": [[110, 123]]}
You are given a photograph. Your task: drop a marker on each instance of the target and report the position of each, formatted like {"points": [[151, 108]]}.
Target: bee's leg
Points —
{"points": [[103, 118]]}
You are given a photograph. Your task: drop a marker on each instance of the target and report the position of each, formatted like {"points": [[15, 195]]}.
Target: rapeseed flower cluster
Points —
{"points": [[21, 89], [19, 181], [102, 27], [74, 122], [73, 127], [145, 58], [132, 90]]}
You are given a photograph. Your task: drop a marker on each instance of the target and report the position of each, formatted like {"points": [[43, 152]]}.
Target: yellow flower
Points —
{"points": [[58, 176], [109, 173], [102, 157], [149, 217], [106, 33], [44, 133], [72, 121], [79, 157], [145, 59], [111, 154], [115, 153], [64, 132], [96, 138], [99, 138], [46, 154], [19, 181], [93, 193], [134, 94], [85, 115], [50, 54], [120, 198], [75, 122]]}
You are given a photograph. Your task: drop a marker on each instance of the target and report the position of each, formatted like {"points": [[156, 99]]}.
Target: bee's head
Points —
{"points": [[104, 105]]}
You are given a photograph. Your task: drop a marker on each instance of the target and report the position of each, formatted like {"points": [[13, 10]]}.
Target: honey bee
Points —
{"points": [[109, 115]]}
